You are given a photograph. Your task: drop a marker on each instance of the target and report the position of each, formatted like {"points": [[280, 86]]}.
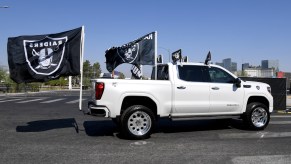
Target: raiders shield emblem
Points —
{"points": [[128, 53], [44, 56]]}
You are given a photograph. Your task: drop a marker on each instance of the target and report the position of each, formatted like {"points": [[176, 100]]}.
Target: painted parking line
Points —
{"points": [[10, 100], [74, 101], [280, 122], [55, 100], [261, 159], [257, 135], [21, 102], [280, 116]]}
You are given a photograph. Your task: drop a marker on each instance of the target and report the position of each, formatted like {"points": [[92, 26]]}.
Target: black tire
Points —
{"points": [[116, 120], [137, 122], [257, 116]]}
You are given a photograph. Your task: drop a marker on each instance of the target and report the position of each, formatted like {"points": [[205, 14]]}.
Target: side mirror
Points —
{"points": [[237, 82]]}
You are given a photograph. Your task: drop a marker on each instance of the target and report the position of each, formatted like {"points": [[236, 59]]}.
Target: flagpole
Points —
{"points": [[70, 82], [156, 54], [81, 66], [140, 68], [112, 74]]}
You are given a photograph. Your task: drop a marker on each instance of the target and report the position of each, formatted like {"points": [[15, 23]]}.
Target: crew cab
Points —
{"points": [[181, 90]]}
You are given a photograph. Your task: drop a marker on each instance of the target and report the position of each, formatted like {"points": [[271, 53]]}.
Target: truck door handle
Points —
{"points": [[181, 87], [215, 88]]}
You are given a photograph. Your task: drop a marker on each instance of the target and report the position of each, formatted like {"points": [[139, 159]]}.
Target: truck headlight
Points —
{"points": [[269, 89]]}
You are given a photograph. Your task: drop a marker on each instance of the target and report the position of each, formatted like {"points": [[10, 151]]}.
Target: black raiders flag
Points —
{"points": [[137, 52], [135, 72], [41, 58], [177, 55]]}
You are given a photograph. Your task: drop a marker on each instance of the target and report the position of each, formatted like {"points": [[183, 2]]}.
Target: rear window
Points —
{"points": [[162, 73]]}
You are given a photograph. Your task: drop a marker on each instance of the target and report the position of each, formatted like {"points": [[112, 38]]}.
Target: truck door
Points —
{"points": [[225, 96], [191, 92]]}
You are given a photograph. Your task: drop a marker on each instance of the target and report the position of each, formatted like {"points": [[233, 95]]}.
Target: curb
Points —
{"points": [[11, 94], [28, 93], [283, 112], [287, 111]]}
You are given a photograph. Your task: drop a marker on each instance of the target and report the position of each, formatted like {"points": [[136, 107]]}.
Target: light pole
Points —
{"points": [[169, 52]]}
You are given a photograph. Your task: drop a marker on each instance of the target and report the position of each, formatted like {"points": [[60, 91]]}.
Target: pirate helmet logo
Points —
{"points": [[44, 56], [128, 53]]}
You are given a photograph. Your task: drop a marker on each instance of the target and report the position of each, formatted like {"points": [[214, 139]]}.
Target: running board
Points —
{"points": [[185, 118]]}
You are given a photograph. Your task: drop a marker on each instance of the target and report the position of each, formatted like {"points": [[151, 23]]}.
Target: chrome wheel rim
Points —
{"points": [[259, 117], [139, 123]]}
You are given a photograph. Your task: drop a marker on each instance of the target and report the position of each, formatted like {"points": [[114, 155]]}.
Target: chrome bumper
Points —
{"points": [[99, 111]]}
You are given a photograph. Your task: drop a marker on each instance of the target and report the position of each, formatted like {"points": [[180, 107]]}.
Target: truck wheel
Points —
{"points": [[137, 122], [116, 121], [257, 116]]}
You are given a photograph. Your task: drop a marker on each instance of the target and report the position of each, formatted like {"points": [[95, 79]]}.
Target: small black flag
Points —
{"points": [[160, 59], [40, 58], [138, 52], [177, 55], [208, 58], [185, 59]]}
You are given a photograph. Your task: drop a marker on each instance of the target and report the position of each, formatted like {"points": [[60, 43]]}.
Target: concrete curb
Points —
{"points": [[287, 111], [28, 93], [11, 94], [22, 93], [283, 112]]}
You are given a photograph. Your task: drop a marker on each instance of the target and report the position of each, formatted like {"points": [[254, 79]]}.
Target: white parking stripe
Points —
{"points": [[29, 101], [261, 159], [281, 116], [256, 135], [74, 101], [10, 100], [55, 100], [280, 122]]}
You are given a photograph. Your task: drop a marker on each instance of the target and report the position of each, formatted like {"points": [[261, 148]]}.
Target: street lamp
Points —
{"points": [[4, 7], [169, 52]]}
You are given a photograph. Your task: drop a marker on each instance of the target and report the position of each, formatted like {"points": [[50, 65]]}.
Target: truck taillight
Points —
{"points": [[99, 88]]}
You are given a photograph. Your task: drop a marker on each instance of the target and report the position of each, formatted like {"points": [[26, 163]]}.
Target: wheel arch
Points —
{"points": [[139, 100], [260, 99]]}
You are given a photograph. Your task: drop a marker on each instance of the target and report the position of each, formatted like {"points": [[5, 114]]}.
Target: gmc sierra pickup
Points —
{"points": [[182, 90]]}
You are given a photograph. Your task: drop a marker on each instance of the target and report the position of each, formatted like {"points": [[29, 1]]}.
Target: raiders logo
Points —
{"points": [[128, 53], [45, 56]]}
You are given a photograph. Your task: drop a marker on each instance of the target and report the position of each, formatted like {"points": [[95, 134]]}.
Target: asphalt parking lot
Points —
{"points": [[49, 128]]}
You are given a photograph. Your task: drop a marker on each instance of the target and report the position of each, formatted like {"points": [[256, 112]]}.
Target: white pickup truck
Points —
{"points": [[182, 90]]}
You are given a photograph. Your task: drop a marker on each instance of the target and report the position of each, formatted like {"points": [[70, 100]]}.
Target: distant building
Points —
{"points": [[244, 66], [233, 67], [270, 64], [280, 74], [220, 64], [259, 72], [228, 64]]}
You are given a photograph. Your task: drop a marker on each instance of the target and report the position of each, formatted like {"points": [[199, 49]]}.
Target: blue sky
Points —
{"points": [[244, 30]]}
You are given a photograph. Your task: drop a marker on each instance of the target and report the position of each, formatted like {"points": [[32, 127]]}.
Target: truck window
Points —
{"points": [[191, 73], [218, 75], [162, 74]]}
